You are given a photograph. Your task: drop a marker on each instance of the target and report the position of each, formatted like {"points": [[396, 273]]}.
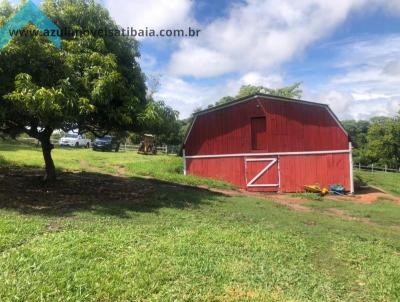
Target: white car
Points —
{"points": [[74, 140]]}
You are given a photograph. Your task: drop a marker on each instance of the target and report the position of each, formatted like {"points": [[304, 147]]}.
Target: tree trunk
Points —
{"points": [[47, 147]]}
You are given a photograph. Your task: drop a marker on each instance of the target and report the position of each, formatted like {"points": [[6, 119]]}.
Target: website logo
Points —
{"points": [[29, 14]]}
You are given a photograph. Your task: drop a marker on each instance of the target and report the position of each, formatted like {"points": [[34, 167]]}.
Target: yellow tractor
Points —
{"points": [[147, 145]]}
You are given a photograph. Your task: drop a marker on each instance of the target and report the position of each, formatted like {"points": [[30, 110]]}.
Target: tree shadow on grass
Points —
{"points": [[22, 189]]}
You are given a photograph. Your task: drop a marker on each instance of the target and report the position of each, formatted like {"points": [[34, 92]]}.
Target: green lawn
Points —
{"points": [[168, 168], [387, 181], [177, 243], [383, 212]]}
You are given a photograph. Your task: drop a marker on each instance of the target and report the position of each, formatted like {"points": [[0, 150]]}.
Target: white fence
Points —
{"points": [[161, 149], [124, 147], [374, 168]]}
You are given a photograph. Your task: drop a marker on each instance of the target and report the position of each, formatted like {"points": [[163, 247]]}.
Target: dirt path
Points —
{"points": [[369, 196], [284, 199], [345, 216], [366, 196], [121, 171], [85, 166]]}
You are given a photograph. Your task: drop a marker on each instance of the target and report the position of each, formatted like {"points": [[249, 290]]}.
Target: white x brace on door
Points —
{"points": [[256, 170]]}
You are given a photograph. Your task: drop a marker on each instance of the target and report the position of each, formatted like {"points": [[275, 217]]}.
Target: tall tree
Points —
{"points": [[383, 145], [163, 123], [358, 131], [92, 83], [292, 91]]}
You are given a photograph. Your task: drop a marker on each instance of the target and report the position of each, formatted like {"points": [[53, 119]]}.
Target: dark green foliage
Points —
{"points": [[292, 91], [162, 121], [376, 141], [358, 131], [384, 142], [93, 84]]}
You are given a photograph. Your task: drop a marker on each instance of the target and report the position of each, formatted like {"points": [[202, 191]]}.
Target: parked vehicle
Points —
{"points": [[75, 140], [106, 143]]}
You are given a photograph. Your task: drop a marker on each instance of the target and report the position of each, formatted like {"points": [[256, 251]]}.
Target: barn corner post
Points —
{"points": [[351, 168], [184, 162]]}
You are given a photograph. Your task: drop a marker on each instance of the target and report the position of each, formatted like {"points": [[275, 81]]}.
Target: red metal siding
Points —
{"points": [[230, 170], [291, 127], [294, 171], [327, 169], [258, 133]]}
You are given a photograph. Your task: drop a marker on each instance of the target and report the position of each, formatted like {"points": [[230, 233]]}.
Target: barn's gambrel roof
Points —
{"points": [[263, 96]]}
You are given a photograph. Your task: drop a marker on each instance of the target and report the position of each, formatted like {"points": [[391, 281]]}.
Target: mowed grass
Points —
{"points": [[168, 168], [186, 244], [387, 181], [383, 212]]}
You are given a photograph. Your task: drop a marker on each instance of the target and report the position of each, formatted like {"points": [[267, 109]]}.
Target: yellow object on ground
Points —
{"points": [[324, 191], [313, 188], [316, 189]]}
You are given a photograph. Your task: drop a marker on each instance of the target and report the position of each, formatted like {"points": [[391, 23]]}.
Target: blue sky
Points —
{"points": [[345, 52]]}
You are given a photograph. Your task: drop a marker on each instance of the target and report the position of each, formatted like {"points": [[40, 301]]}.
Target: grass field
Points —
{"points": [[387, 181], [168, 168], [176, 243]]}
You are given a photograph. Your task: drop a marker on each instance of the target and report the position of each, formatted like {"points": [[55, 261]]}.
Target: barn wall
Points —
{"points": [[291, 127], [327, 169], [226, 169], [295, 171]]}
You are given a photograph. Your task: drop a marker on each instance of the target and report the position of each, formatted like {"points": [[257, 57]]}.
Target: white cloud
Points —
{"points": [[368, 96], [258, 79], [393, 6], [199, 61], [371, 51], [252, 42], [371, 77], [392, 68], [185, 96], [154, 14], [232, 86], [259, 35], [369, 83], [346, 106], [147, 62]]}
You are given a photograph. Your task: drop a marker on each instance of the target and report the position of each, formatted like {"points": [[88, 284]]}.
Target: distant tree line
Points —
{"points": [[376, 141], [292, 91]]}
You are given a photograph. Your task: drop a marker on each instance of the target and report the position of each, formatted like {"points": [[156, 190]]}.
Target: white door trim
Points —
{"points": [[272, 161]]}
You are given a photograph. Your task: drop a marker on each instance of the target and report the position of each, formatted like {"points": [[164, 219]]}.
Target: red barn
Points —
{"points": [[269, 143]]}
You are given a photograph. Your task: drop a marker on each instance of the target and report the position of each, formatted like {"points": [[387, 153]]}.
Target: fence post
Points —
{"points": [[386, 168], [372, 168], [359, 166]]}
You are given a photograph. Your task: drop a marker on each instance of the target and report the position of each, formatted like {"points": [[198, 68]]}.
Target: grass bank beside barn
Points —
{"points": [[388, 181], [125, 237]]}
